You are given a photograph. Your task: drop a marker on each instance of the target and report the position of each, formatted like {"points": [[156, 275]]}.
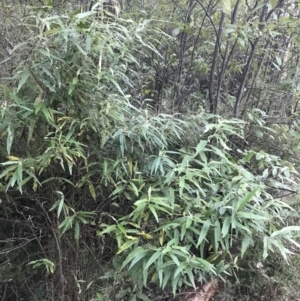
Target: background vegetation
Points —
{"points": [[147, 147]]}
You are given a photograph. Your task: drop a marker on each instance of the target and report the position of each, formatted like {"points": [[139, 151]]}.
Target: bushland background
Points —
{"points": [[148, 147]]}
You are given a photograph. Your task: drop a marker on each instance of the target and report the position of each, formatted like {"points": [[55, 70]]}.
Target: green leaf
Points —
{"points": [[135, 190], [122, 229], [189, 222], [10, 137], [88, 43], [183, 231], [283, 251], [152, 259], [139, 251], [175, 280], [226, 225], [20, 176], [66, 224], [60, 206], [246, 242], [138, 257], [273, 3], [248, 156], [76, 231], [226, 6], [249, 215], [109, 229], [217, 234], [181, 185], [152, 209], [23, 78], [191, 277], [175, 259], [259, 134], [5, 60], [167, 275], [241, 203], [204, 230], [200, 147], [48, 114], [278, 60], [126, 246], [160, 201], [266, 247], [175, 32], [92, 190], [286, 230], [84, 15], [30, 131], [241, 42], [180, 269], [116, 85], [132, 297]]}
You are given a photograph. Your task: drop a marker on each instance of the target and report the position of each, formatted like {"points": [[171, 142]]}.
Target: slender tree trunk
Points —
{"points": [[183, 43], [264, 16], [225, 61], [214, 64]]}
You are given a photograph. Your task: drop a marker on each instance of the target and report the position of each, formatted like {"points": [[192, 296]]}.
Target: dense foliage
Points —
{"points": [[153, 151]]}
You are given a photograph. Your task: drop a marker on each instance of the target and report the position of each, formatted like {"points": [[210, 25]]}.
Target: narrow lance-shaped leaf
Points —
{"points": [[139, 256], [23, 78], [152, 259], [241, 203], [226, 226], [217, 235], [76, 231], [127, 245], [286, 230], [204, 231], [133, 254], [191, 276], [10, 137], [246, 242], [20, 176], [152, 209]]}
